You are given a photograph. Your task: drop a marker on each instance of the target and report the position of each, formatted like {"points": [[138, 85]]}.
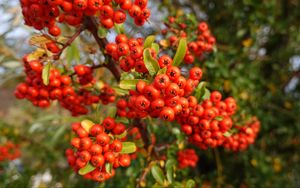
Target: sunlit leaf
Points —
{"points": [[87, 125], [180, 53], [158, 174], [108, 167], [129, 84], [150, 63], [128, 147], [149, 40], [46, 73], [87, 169], [190, 184], [39, 40]]}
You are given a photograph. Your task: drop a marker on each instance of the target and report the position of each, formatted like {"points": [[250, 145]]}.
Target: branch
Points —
{"points": [[219, 168], [92, 26], [69, 42]]}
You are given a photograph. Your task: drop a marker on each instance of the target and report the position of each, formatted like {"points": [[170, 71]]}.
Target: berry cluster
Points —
{"points": [[169, 97], [202, 39], [95, 145], [128, 52], [164, 97], [207, 122], [246, 135], [107, 94], [46, 13], [187, 158], [59, 88], [9, 151]]}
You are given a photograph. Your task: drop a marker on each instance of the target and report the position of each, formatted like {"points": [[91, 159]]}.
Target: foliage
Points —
{"points": [[255, 60]]}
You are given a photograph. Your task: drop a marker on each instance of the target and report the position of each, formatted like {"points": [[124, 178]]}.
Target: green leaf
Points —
{"points": [[46, 73], [58, 134], [120, 136], [219, 118], [122, 120], [87, 125], [177, 184], [206, 94], [180, 53], [227, 134], [190, 184], [108, 167], [128, 147], [200, 90], [170, 169], [155, 46], [120, 91], [87, 169], [102, 32], [119, 28], [72, 53], [149, 40], [158, 174], [129, 84], [162, 71], [112, 111], [150, 63]]}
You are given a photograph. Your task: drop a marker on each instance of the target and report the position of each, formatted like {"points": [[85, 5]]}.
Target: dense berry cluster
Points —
{"points": [[96, 145], [201, 39], [246, 135], [9, 151], [128, 52], [187, 158], [169, 98], [165, 97], [47, 13], [59, 88], [207, 122]]}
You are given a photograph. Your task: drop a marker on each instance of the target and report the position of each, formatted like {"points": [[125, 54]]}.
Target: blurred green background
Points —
{"points": [[257, 61]]}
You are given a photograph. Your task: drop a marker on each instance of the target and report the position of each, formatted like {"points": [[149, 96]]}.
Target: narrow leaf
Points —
{"points": [[120, 91], [46, 73], [128, 147], [120, 136], [87, 169], [150, 63], [227, 134], [219, 118], [112, 111], [37, 40], [149, 40], [129, 84], [180, 53], [206, 94], [87, 125], [38, 53], [73, 53], [162, 71], [170, 169], [155, 46], [119, 28], [108, 167], [190, 183], [200, 90], [122, 120], [158, 174], [102, 32]]}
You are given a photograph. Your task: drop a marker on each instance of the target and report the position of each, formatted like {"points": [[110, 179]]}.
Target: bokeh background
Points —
{"points": [[257, 61]]}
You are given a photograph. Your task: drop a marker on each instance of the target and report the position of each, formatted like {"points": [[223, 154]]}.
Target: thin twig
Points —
{"points": [[92, 26], [69, 42], [219, 168]]}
